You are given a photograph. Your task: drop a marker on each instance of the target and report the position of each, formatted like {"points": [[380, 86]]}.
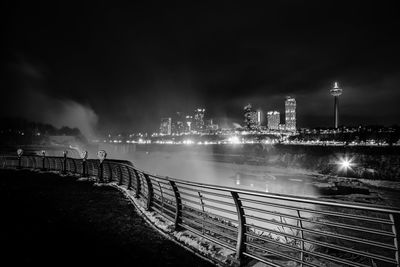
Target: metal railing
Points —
{"points": [[278, 230]]}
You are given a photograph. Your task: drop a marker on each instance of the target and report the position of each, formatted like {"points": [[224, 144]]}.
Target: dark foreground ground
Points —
{"points": [[51, 220]]}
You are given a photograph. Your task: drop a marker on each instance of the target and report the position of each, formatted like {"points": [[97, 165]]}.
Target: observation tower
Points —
{"points": [[336, 91]]}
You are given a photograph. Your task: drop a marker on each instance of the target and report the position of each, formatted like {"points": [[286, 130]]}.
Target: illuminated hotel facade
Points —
{"points": [[273, 120], [166, 126], [199, 119], [290, 113], [250, 118]]}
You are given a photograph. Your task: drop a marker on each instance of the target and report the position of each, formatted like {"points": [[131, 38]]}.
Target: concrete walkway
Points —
{"points": [[51, 220]]}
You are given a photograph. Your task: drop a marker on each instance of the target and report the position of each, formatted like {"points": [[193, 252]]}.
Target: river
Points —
{"points": [[193, 165]]}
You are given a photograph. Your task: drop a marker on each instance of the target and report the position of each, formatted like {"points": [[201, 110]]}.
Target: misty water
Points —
{"points": [[191, 165]]}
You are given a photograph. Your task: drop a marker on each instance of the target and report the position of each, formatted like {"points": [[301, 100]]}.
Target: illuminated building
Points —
{"points": [[336, 92], [199, 119], [258, 118], [250, 117], [290, 113], [210, 126], [165, 126], [179, 127], [178, 123], [188, 123], [208, 122], [273, 120]]}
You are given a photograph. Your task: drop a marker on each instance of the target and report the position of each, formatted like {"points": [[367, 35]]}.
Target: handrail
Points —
{"points": [[272, 228], [338, 203]]}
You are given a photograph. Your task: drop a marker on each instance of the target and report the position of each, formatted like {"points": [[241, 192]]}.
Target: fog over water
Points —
{"points": [[190, 165]]}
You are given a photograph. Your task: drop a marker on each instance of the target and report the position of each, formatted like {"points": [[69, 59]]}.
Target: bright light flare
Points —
{"points": [[345, 164]]}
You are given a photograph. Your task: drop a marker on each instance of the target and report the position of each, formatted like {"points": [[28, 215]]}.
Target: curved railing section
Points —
{"points": [[278, 230]]}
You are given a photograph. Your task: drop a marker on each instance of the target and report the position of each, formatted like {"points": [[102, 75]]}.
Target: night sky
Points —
{"points": [[122, 67]]}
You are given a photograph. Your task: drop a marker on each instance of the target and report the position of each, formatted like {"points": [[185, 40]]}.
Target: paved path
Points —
{"points": [[51, 220]]}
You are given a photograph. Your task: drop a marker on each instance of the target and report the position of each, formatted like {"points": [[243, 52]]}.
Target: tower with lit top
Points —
{"points": [[336, 91]]}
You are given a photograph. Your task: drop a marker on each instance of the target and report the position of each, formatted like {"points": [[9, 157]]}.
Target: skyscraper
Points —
{"points": [[188, 124], [165, 126], [250, 117], [178, 125], [273, 120], [259, 118], [199, 119], [336, 92], [290, 113], [210, 126]]}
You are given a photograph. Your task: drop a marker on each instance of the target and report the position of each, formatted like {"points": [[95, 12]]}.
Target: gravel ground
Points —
{"points": [[51, 220]]}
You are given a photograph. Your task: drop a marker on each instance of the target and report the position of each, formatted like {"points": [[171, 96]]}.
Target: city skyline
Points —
{"points": [[197, 122], [103, 67]]}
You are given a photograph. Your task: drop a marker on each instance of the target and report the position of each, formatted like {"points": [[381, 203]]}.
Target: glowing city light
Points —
{"points": [[234, 140], [188, 142]]}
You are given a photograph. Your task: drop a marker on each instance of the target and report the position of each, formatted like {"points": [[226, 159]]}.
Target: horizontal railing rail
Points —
{"points": [[276, 229]]}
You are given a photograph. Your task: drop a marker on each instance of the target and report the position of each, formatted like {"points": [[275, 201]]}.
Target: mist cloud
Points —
{"points": [[29, 97]]}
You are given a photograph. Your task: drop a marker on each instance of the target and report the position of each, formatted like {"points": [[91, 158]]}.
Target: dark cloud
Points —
{"points": [[134, 64]]}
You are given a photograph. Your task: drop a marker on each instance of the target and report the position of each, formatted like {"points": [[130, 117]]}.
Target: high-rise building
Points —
{"points": [[199, 119], [210, 126], [336, 92], [178, 123], [273, 120], [259, 118], [165, 126], [290, 113], [188, 124], [250, 117]]}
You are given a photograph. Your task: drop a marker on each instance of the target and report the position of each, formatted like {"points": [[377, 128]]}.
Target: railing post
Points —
{"points": [[100, 174], [138, 184], [75, 167], [84, 156], [129, 178], [110, 171], [83, 167], [19, 153], [203, 230], [178, 206], [29, 162], [300, 224], [101, 154], [43, 160], [34, 162], [162, 197], [241, 238], [64, 169], [395, 218], [120, 175], [149, 191]]}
